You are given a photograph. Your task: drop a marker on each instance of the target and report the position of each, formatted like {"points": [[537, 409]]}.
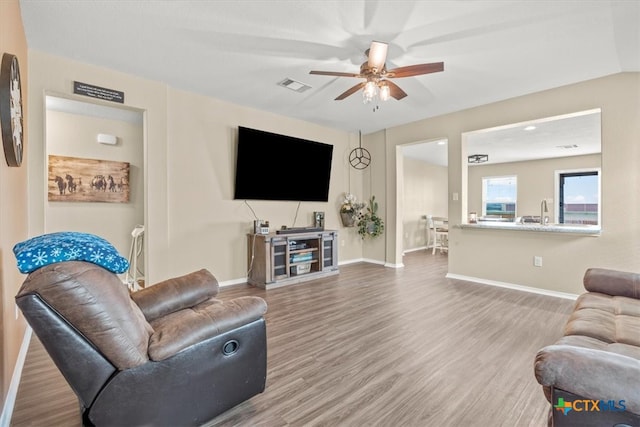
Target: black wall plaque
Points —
{"points": [[98, 92]]}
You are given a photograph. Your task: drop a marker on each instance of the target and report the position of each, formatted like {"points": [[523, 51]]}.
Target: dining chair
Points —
{"points": [[438, 233]]}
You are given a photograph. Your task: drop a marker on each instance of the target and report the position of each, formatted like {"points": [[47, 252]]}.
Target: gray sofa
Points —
{"points": [[591, 376]]}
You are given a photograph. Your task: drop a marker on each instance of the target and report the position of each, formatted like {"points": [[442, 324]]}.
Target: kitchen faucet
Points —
{"points": [[543, 210]]}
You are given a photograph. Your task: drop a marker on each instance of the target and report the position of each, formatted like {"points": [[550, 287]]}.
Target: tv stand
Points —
{"points": [[280, 259], [295, 230]]}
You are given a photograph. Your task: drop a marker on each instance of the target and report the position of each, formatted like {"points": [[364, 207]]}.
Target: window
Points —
{"points": [[499, 196], [578, 195]]}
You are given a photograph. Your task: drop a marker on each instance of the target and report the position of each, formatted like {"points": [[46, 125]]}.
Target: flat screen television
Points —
{"points": [[271, 166]]}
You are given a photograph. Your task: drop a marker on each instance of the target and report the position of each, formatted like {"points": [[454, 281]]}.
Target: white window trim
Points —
{"points": [[484, 192]]}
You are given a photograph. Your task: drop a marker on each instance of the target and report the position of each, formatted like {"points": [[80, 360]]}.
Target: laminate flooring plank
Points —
{"points": [[373, 346]]}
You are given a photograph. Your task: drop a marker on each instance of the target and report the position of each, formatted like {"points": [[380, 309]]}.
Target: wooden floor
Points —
{"points": [[373, 346]]}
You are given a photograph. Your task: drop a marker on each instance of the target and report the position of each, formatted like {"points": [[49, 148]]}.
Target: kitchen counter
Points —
{"points": [[589, 230]]}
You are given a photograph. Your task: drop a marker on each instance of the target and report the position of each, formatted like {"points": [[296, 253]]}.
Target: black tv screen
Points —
{"points": [[271, 166]]}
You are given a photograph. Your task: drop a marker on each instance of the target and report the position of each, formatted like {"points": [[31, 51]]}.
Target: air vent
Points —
{"points": [[568, 146], [294, 85]]}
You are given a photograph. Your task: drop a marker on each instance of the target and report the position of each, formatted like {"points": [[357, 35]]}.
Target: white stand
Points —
{"points": [[134, 275]]}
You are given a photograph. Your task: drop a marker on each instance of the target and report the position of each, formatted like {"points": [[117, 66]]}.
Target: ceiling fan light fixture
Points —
{"points": [[377, 85], [385, 92], [369, 92], [478, 158], [377, 55]]}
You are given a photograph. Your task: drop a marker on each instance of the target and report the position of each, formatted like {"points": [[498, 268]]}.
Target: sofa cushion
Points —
{"points": [[68, 246], [612, 282], [176, 294], [611, 319], [181, 329]]}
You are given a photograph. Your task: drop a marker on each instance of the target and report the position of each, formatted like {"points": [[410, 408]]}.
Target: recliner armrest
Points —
{"points": [[612, 282], [176, 294], [594, 374], [184, 328]]}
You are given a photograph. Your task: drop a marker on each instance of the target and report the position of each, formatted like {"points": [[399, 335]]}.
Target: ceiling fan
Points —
{"points": [[377, 76]]}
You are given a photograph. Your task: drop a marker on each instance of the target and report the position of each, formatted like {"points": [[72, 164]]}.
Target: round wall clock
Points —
{"points": [[11, 109]]}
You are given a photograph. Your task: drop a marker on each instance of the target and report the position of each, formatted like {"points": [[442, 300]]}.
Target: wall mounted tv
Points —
{"points": [[270, 166]]}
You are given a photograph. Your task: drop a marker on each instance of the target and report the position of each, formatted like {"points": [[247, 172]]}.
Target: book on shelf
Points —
{"points": [[306, 256]]}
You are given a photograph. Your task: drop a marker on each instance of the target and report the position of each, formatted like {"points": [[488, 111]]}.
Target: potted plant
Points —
{"points": [[349, 210], [370, 224]]}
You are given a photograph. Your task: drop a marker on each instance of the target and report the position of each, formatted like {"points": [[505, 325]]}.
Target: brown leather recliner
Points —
{"points": [[171, 354]]}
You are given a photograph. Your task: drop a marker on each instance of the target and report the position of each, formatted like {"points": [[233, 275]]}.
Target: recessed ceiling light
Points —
{"points": [[442, 142], [530, 127]]}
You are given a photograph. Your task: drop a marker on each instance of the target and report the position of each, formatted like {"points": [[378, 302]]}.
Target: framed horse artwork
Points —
{"points": [[74, 179]]}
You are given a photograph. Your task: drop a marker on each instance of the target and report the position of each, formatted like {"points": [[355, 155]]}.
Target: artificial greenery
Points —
{"points": [[369, 223], [350, 205], [350, 209]]}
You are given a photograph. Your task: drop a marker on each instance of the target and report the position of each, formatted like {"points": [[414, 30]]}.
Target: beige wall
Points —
{"points": [[51, 75], [13, 202], [373, 182], [507, 256], [192, 221], [536, 181], [424, 193], [207, 228], [74, 135]]}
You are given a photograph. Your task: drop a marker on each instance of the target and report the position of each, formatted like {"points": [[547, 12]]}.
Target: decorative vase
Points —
{"points": [[348, 219]]}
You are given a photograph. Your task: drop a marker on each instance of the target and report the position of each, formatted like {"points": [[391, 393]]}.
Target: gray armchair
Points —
{"points": [[169, 355]]}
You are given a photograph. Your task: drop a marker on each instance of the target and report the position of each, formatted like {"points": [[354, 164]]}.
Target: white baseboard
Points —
{"points": [[420, 248], [351, 261], [12, 393], [388, 264], [232, 282], [513, 286]]}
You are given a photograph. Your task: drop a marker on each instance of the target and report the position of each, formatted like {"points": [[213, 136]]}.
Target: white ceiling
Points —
{"points": [[239, 50]]}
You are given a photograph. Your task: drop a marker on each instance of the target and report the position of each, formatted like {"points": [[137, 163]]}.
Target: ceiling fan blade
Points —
{"points": [[334, 73], [415, 70], [395, 91], [377, 55], [350, 91]]}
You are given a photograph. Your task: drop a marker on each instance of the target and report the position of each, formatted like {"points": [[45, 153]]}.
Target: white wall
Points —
{"points": [[425, 193]]}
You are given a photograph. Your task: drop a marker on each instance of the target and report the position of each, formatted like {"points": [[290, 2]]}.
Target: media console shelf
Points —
{"points": [[284, 259]]}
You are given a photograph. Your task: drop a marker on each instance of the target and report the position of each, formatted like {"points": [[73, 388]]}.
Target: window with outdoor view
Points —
{"points": [[578, 193], [499, 195]]}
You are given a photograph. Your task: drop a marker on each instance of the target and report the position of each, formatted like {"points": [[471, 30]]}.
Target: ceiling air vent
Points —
{"points": [[294, 85], [567, 147]]}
